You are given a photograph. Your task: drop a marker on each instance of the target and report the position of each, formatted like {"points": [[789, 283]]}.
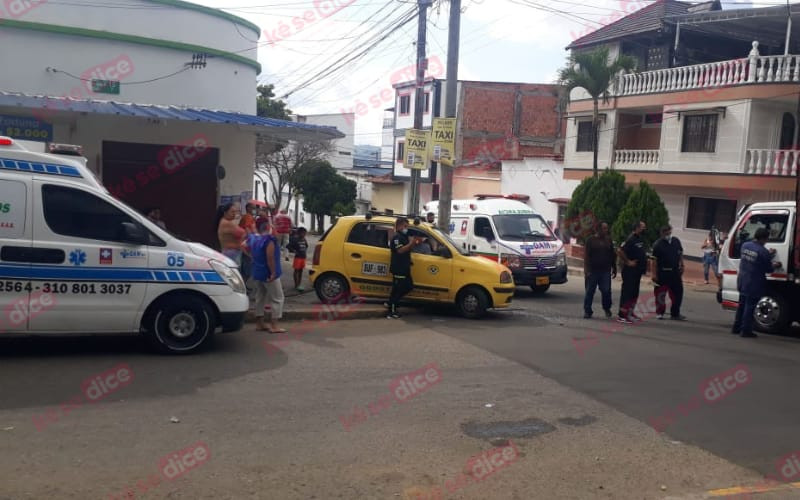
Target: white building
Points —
{"points": [[139, 86], [342, 150]]}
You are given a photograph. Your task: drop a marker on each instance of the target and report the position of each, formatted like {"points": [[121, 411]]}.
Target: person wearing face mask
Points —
{"points": [[668, 253], [400, 265]]}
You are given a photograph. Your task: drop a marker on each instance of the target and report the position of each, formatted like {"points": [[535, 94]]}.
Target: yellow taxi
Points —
{"points": [[352, 257]]}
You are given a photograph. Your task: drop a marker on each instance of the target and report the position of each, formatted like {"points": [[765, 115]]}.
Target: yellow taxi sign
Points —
{"points": [[443, 142], [417, 149]]}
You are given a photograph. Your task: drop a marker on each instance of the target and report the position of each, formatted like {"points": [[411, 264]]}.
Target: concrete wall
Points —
{"points": [[391, 196], [540, 178], [223, 84], [341, 156]]}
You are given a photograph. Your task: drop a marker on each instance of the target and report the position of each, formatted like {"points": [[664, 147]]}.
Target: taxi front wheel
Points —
{"points": [[180, 324], [472, 302]]}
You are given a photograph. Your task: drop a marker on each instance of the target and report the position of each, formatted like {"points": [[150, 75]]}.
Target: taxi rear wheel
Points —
{"points": [[472, 302], [331, 288], [180, 324]]}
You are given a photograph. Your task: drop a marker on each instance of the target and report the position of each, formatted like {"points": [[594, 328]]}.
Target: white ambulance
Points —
{"points": [[75, 260], [504, 229]]}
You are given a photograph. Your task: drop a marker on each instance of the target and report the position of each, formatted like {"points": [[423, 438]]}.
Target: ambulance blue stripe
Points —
{"points": [[104, 274], [63, 170]]}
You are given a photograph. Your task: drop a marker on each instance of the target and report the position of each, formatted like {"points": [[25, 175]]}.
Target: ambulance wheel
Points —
{"points": [[540, 288], [331, 288], [771, 314], [472, 302], [180, 324]]}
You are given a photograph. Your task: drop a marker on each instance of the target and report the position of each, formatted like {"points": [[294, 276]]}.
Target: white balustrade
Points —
{"points": [[749, 70], [772, 161], [636, 157]]}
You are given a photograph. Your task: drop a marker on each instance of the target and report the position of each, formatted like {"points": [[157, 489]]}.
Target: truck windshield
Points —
{"points": [[522, 227]]}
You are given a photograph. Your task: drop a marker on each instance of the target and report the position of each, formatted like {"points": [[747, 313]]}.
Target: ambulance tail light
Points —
{"points": [[6, 141], [317, 255]]}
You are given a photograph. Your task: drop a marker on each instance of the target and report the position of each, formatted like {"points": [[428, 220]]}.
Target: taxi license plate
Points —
{"points": [[543, 280]]}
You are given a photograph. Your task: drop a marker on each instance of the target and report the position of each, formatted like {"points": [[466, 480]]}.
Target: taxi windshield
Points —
{"points": [[522, 227]]}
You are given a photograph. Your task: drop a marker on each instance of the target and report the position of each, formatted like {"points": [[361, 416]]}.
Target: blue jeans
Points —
{"points": [[592, 281], [744, 314], [709, 260]]}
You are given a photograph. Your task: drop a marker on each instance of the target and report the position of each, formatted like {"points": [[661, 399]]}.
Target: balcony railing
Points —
{"points": [[772, 161], [636, 157], [750, 70]]}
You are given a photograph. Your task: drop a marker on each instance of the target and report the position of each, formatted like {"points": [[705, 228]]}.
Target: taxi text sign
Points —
{"points": [[417, 149], [29, 129], [443, 142]]}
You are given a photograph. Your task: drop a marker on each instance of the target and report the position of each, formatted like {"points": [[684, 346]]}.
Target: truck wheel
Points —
{"points": [[540, 288], [180, 324], [472, 302], [771, 314], [331, 288]]}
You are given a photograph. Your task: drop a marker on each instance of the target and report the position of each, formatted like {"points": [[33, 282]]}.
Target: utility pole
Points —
{"points": [[451, 87], [419, 96]]}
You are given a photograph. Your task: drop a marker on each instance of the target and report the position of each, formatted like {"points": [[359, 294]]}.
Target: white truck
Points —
{"points": [[504, 229], [778, 308]]}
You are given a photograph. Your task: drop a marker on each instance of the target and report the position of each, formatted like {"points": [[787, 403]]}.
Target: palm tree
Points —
{"points": [[593, 72]]}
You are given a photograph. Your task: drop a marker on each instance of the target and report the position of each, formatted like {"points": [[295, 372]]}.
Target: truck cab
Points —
{"points": [[776, 310]]}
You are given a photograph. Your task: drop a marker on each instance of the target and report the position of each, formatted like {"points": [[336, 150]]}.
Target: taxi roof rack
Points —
{"points": [[417, 219]]}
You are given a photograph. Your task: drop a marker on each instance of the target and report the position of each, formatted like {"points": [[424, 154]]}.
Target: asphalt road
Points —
{"points": [[328, 415]]}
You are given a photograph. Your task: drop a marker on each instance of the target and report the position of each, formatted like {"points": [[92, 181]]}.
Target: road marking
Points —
{"points": [[764, 488]]}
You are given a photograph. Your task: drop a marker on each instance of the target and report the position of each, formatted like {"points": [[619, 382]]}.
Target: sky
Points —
{"points": [[501, 40]]}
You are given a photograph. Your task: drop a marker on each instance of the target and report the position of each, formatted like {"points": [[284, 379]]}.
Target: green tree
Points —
{"points": [[607, 196], [643, 204], [577, 203], [268, 106], [324, 191], [593, 72]]}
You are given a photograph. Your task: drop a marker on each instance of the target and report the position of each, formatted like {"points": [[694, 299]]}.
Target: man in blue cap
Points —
{"points": [[755, 264]]}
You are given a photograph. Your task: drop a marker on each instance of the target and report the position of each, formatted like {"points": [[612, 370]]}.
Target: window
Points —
{"points": [[405, 104], [401, 150], [775, 222], [372, 234], [72, 212], [705, 213], [483, 227], [787, 131], [699, 133], [427, 102], [584, 136]]}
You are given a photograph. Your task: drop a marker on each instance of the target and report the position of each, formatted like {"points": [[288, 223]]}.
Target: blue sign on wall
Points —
{"points": [[29, 129]]}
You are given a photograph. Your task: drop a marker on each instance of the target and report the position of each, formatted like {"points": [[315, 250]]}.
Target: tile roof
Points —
{"points": [[644, 20]]}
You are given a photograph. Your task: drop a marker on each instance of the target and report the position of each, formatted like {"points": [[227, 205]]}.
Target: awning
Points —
{"points": [[280, 129]]}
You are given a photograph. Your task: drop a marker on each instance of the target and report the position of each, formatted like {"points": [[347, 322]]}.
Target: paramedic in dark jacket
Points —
{"points": [[599, 268], [400, 265], [634, 262], [756, 263], [668, 253]]}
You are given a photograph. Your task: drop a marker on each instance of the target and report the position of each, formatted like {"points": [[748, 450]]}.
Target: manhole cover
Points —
{"points": [[524, 428]]}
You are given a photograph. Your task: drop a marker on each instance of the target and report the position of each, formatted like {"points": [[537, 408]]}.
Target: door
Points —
{"points": [[482, 233], [459, 231], [101, 281], [432, 274], [367, 256], [15, 256]]}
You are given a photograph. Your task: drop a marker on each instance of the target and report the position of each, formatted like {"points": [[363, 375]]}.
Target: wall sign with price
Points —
{"points": [[29, 129]]}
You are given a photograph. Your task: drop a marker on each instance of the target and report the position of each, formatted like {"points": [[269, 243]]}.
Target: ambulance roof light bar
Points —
{"points": [[518, 197], [65, 149]]}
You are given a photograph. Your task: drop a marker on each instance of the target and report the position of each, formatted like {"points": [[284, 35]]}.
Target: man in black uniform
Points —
{"points": [[668, 253], [634, 262], [400, 265]]}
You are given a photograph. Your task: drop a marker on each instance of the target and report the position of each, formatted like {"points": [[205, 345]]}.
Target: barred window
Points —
{"points": [[699, 133], [584, 136]]}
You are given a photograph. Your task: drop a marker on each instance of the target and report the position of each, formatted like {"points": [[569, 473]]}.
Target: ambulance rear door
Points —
{"points": [[15, 251]]}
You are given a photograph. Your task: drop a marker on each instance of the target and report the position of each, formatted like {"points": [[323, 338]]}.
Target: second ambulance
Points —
{"points": [[506, 230]]}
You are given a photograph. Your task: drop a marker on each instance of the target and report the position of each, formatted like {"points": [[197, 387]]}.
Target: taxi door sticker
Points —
{"points": [[434, 270], [374, 269]]}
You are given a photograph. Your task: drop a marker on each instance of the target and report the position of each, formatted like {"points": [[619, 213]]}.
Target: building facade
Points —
{"points": [[710, 117]]}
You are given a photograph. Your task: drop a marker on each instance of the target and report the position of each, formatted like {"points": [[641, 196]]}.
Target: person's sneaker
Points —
{"points": [[679, 317], [587, 315], [635, 318], [301, 289], [626, 321], [393, 315], [660, 316], [608, 313], [748, 335]]}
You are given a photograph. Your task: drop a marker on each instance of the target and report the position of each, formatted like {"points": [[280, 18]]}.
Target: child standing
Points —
{"points": [[267, 276], [299, 246]]}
